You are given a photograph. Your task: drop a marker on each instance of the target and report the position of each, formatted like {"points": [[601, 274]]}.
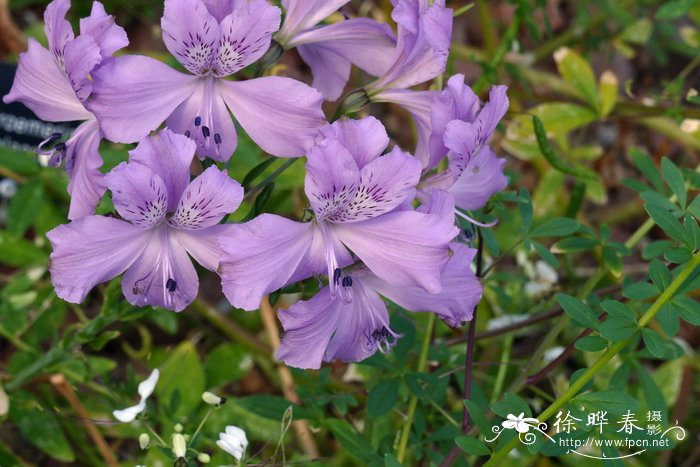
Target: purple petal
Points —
{"points": [[203, 244], [58, 29], [92, 250], [423, 44], [82, 55], [86, 183], [206, 201], [440, 202], [302, 14], [455, 303], [219, 9], [365, 139], [163, 275], [41, 85], [102, 28], [281, 115], [190, 33], [133, 95], [404, 248], [385, 183], [418, 104], [481, 178], [329, 51], [169, 156], [139, 195], [245, 36], [332, 178], [204, 118], [267, 253]]}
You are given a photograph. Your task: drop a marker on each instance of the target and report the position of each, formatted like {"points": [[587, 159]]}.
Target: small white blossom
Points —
{"points": [[145, 390], [179, 445], [203, 457], [233, 441], [212, 399], [144, 440]]}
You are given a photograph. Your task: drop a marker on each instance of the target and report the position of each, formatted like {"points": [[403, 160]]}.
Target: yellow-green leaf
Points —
{"points": [[576, 71]]}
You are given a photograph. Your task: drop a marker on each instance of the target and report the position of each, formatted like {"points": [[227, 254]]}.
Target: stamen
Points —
{"points": [[197, 121], [171, 285], [205, 131], [347, 281], [336, 275], [217, 138], [187, 133], [475, 222]]}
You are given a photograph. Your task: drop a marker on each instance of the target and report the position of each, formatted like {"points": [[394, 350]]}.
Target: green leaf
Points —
{"points": [[617, 328], [591, 343], [652, 393], [694, 207], [678, 255], [525, 209], [674, 178], [574, 245], [646, 165], [477, 414], [181, 382], [640, 290], [226, 363], [18, 252], [659, 275], [668, 319], [472, 446], [256, 171], [674, 9], [271, 407], [615, 402], [666, 221], [619, 309], [655, 248], [688, 309], [511, 404], [24, 207], [382, 397], [576, 71], [607, 89], [612, 260], [40, 427], [654, 343], [391, 461], [545, 254], [559, 227], [578, 311], [353, 443]]}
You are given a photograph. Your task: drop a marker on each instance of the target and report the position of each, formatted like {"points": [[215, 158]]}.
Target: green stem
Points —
{"points": [[503, 368], [201, 424], [599, 364], [422, 363]]}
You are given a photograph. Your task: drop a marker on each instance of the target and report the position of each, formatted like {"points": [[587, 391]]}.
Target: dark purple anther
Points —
{"points": [[217, 138], [197, 121], [205, 131], [171, 285]]}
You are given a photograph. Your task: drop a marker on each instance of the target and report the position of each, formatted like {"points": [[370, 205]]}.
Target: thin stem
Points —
{"points": [[599, 364], [471, 341], [270, 178], [503, 368], [156, 435], [422, 363], [201, 424]]}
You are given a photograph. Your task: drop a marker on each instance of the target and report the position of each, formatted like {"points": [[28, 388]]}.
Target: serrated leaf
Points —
{"points": [[674, 178], [654, 343], [472, 446], [578, 311], [382, 397], [559, 227]]}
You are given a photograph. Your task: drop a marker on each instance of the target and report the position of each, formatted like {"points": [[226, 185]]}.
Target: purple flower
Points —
{"points": [[55, 83], [460, 129], [165, 218], [331, 50], [326, 328], [424, 34], [354, 194], [212, 39]]}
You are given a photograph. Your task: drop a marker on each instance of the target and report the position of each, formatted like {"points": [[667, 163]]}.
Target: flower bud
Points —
{"points": [[144, 441], [178, 428], [212, 399], [203, 457], [179, 445]]}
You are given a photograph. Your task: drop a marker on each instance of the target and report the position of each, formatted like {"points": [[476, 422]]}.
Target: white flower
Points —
{"points": [[520, 423], [145, 390], [144, 441], [179, 445], [212, 399], [233, 441]]}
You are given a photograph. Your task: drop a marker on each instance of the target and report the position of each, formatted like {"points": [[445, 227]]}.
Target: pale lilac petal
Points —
{"points": [[418, 104], [133, 95], [332, 178], [439, 202], [86, 183], [81, 56], [207, 199], [190, 33], [41, 85], [329, 51], [162, 276], [308, 328], [129, 414], [102, 28], [455, 303], [404, 248], [423, 44], [464, 139], [58, 29], [265, 254], [169, 156], [92, 250], [281, 115], [203, 244], [204, 118], [365, 139], [139, 195], [385, 183], [245, 36], [302, 14], [147, 386], [219, 9], [481, 178]]}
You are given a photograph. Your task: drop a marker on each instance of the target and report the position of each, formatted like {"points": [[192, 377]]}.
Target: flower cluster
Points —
{"points": [[384, 222]]}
